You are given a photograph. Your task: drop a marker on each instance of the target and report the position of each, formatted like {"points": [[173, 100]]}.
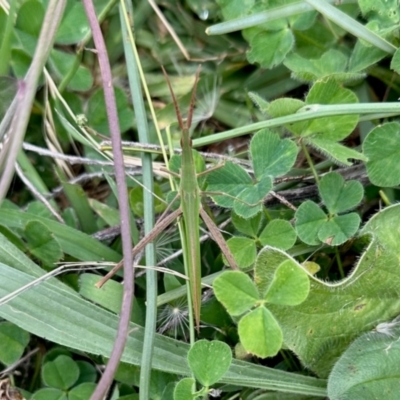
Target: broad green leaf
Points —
{"points": [[82, 391], [236, 291], [87, 372], [259, 102], [61, 373], [353, 378], [72, 241], [249, 226], [13, 341], [259, 333], [209, 361], [269, 49], [278, 233], [332, 64], [249, 201], [290, 285], [108, 214], [309, 219], [363, 56], [109, 296], [97, 114], [136, 200], [184, 389], [63, 62], [49, 394], [243, 250], [339, 229], [382, 147], [271, 155], [394, 63], [335, 313], [335, 151], [382, 10], [80, 203], [74, 25], [73, 322], [339, 195], [42, 243], [230, 179], [30, 17], [332, 128], [286, 106]]}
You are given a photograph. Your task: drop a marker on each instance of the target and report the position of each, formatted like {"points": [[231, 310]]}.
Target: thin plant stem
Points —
{"points": [[126, 306], [310, 162], [339, 263], [133, 62]]}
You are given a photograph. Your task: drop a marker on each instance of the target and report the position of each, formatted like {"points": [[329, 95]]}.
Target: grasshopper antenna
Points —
{"points": [[192, 100]]}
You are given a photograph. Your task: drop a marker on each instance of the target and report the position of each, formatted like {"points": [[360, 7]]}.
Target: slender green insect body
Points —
{"points": [[190, 203]]}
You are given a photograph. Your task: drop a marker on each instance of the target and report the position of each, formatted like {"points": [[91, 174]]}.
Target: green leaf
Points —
{"points": [[97, 114], [230, 179], [260, 333], [249, 201], [339, 229], [54, 311], [352, 376], [363, 56], [209, 361], [79, 202], [136, 200], [30, 17], [87, 372], [395, 62], [308, 220], [286, 106], [236, 291], [63, 62], [384, 10], [13, 341], [335, 151], [382, 147], [72, 241], [74, 25], [248, 226], [82, 391], [332, 64], [270, 48], [243, 250], [41, 243], [290, 285], [335, 313], [109, 296], [108, 214], [184, 389], [272, 155], [49, 394], [278, 233], [339, 195], [331, 128], [61, 373]]}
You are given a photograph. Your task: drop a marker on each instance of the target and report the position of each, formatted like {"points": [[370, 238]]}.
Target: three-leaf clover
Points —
{"points": [[63, 378], [208, 361], [314, 226], [232, 187], [278, 233], [259, 331]]}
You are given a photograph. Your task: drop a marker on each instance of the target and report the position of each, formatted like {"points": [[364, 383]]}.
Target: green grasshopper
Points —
{"points": [[190, 208]]}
